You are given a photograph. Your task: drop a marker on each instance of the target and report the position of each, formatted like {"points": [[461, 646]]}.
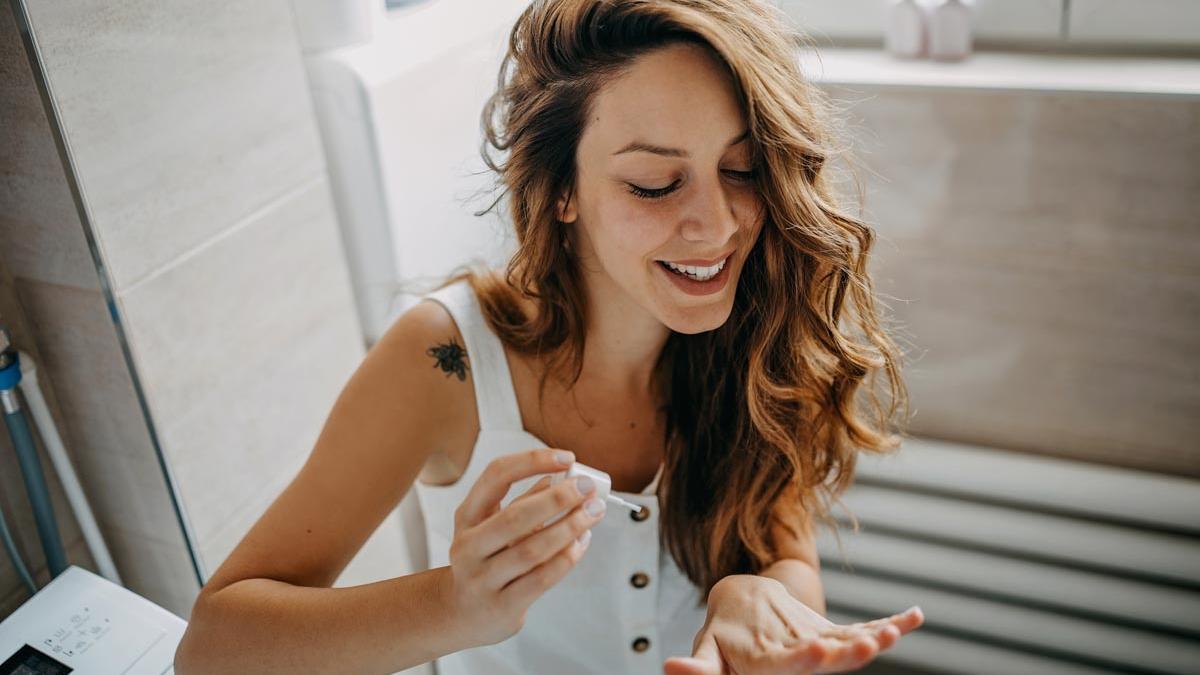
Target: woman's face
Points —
{"points": [[663, 175]]}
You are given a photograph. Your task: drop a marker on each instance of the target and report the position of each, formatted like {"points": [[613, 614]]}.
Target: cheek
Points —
{"points": [[748, 206], [635, 234]]}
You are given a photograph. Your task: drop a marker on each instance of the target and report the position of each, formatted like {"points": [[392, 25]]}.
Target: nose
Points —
{"points": [[711, 219]]}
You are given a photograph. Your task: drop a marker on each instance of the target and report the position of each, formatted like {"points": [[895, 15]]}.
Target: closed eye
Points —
{"points": [[652, 193], [659, 193]]}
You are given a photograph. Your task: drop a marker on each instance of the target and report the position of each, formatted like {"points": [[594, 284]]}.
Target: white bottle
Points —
{"points": [[950, 30], [906, 34], [603, 486]]}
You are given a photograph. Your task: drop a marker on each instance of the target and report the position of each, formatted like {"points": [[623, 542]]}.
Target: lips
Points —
{"points": [[692, 286], [700, 262]]}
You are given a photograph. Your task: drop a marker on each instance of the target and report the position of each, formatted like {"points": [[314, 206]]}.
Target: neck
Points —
{"points": [[624, 341]]}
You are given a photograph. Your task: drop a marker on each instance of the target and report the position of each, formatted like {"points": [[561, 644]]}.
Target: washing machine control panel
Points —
{"points": [[82, 622]]}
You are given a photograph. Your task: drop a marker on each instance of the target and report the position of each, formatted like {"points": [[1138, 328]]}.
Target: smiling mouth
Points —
{"points": [[695, 272]]}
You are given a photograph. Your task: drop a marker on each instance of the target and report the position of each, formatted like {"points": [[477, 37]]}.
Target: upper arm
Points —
{"points": [[393, 413]]}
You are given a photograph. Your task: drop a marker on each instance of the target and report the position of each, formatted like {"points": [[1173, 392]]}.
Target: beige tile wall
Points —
{"points": [[1043, 253], [207, 196], [50, 300]]}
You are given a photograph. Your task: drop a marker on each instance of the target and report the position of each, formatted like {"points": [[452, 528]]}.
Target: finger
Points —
{"points": [[690, 665], [812, 647], [906, 621], [801, 650], [885, 632], [535, 549], [909, 620], [705, 660], [497, 478], [888, 630], [799, 657], [887, 636], [900, 622], [845, 632], [536, 488], [518, 520], [850, 647], [531, 585], [848, 654]]}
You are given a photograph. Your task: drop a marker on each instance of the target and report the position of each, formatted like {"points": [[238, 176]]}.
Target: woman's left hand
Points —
{"points": [[756, 627]]}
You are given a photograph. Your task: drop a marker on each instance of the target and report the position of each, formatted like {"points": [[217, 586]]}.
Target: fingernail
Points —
{"points": [[594, 507], [564, 457], [585, 484], [584, 539]]}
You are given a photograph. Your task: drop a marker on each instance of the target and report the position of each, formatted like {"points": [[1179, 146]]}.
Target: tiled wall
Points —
{"points": [[197, 154], [1042, 254], [50, 299]]}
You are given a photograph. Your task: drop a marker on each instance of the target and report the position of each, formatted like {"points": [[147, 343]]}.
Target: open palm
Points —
{"points": [[756, 627]]}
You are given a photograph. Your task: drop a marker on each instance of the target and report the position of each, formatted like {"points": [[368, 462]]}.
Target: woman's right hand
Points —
{"points": [[502, 560]]}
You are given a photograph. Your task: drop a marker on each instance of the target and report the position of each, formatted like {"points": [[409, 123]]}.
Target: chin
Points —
{"points": [[694, 320]]}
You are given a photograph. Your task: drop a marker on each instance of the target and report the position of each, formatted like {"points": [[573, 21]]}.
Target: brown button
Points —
{"points": [[639, 580], [641, 644], [641, 514]]}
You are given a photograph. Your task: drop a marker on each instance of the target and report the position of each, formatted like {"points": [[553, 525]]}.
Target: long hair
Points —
{"points": [[765, 414]]}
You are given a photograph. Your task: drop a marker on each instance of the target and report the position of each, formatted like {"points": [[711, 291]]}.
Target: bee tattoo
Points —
{"points": [[449, 358]]}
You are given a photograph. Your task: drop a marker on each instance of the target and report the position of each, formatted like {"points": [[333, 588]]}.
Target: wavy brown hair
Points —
{"points": [[765, 414]]}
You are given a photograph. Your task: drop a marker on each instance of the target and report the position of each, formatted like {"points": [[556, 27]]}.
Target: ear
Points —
{"points": [[566, 209]]}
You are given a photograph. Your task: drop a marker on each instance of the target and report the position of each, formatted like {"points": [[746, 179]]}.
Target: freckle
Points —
{"points": [[632, 425], [309, 531]]}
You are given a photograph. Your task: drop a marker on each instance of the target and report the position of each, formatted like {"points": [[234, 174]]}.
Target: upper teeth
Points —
{"points": [[698, 272]]}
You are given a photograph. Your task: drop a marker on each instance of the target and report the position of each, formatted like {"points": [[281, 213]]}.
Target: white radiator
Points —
{"points": [[1020, 563]]}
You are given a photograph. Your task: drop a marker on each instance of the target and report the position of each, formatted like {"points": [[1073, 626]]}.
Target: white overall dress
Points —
{"points": [[624, 608]]}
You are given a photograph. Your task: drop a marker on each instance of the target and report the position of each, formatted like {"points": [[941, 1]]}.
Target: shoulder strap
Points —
{"points": [[495, 396]]}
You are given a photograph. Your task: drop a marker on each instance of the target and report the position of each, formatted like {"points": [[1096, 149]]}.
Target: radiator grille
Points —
{"points": [[1021, 564]]}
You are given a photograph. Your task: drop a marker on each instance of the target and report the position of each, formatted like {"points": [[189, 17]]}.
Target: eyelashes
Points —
{"points": [[645, 193], [659, 193]]}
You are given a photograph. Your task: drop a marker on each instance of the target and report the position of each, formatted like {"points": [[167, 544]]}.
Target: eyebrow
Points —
{"points": [[639, 146]]}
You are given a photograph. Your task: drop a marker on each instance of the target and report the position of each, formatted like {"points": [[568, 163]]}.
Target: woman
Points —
{"points": [[688, 310]]}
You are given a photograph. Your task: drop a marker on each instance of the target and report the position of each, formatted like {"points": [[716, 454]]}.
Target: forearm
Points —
{"points": [[268, 626], [801, 580]]}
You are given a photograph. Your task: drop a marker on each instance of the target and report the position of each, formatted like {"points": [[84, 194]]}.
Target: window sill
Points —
{"points": [[1007, 71]]}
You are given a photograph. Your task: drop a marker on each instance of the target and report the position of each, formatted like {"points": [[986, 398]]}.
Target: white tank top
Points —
{"points": [[625, 606]]}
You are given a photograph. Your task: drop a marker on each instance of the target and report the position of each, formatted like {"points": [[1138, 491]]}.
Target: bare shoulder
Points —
{"points": [[402, 409], [421, 363], [432, 327], [426, 343], [437, 343]]}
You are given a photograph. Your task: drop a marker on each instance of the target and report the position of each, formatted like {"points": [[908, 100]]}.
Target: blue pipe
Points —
{"points": [[31, 466], [14, 555]]}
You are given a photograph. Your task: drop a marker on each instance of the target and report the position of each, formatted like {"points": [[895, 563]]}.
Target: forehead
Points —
{"points": [[679, 96]]}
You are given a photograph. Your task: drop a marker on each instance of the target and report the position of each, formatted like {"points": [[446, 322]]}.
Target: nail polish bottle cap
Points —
{"points": [[603, 483]]}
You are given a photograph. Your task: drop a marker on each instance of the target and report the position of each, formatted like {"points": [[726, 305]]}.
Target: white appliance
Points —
{"points": [[85, 624], [398, 96]]}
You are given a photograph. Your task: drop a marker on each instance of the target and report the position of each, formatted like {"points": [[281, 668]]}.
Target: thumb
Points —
{"points": [[705, 660]]}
